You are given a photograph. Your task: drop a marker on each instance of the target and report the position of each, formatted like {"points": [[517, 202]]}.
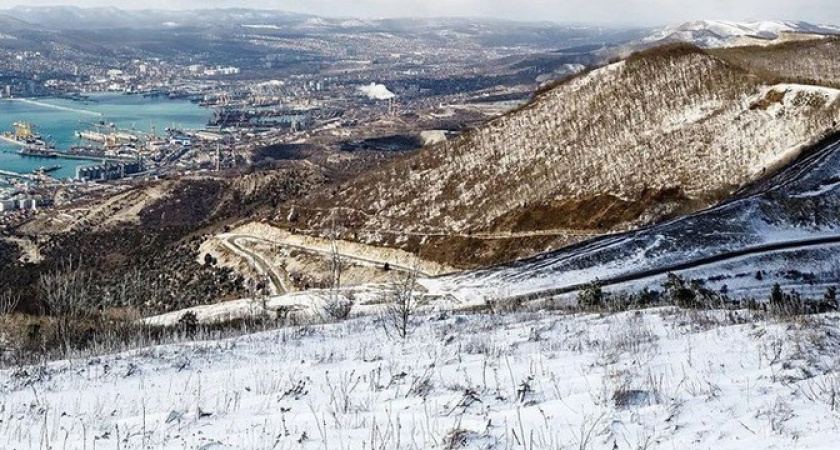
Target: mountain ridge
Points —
{"points": [[722, 33]]}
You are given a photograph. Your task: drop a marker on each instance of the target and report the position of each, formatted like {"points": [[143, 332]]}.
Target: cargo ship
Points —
{"points": [[25, 136], [38, 151], [109, 136], [46, 169]]}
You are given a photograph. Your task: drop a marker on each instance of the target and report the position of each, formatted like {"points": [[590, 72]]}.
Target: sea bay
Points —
{"points": [[57, 120]]}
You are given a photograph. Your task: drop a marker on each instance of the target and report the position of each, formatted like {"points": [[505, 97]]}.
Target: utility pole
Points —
{"points": [[335, 256], [218, 156]]}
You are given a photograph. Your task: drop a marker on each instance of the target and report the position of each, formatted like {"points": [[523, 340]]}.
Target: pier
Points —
{"points": [[113, 159], [10, 174], [12, 141], [63, 155]]}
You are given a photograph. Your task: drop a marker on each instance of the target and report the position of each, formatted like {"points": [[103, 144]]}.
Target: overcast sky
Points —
{"points": [[579, 11]]}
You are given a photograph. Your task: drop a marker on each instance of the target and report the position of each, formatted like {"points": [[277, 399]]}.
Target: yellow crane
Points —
{"points": [[23, 130]]}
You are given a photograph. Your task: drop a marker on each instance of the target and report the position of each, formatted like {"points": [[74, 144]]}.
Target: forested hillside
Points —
{"points": [[667, 131]]}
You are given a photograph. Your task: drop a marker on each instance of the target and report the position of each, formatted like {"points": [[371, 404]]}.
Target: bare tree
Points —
{"points": [[8, 302], [336, 305], [67, 296], [335, 256], [128, 296], [401, 304]]}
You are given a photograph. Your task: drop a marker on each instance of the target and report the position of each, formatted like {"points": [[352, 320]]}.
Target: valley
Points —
{"points": [[430, 233]]}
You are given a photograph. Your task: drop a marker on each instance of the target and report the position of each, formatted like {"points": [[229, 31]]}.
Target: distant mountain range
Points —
{"points": [[35, 25], [76, 18], [607, 42], [718, 33]]}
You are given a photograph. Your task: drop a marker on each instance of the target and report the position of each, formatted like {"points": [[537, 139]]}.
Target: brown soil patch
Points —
{"points": [[773, 97], [598, 213]]}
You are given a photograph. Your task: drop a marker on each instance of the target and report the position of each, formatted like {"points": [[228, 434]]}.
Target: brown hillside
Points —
{"points": [[667, 131]]}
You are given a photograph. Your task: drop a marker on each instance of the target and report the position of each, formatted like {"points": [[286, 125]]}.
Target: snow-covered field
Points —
{"points": [[662, 378]]}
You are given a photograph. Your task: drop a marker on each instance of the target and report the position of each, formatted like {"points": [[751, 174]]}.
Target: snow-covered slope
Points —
{"points": [[619, 146], [787, 227], [717, 33], [659, 379]]}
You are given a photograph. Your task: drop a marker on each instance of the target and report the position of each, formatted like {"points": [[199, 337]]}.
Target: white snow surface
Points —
{"points": [[262, 27], [712, 33], [657, 379], [376, 91]]}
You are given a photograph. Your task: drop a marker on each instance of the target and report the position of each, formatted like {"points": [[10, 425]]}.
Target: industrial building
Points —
{"points": [[108, 171]]}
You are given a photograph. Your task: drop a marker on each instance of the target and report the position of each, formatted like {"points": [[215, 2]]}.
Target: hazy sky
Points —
{"points": [[587, 11]]}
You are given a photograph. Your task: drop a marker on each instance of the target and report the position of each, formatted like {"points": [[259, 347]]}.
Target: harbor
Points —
{"points": [[94, 130]]}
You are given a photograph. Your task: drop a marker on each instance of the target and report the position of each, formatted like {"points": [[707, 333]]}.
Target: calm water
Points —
{"points": [[60, 125]]}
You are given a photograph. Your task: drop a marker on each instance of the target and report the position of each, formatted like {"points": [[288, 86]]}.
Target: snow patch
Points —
{"points": [[432, 137], [261, 27]]}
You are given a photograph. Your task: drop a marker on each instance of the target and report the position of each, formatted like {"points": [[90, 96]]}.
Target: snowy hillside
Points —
{"points": [[787, 227], [657, 379], [718, 33], [620, 146]]}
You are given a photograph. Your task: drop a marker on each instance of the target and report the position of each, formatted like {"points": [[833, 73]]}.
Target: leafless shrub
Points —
{"points": [[341, 391], [189, 323], [824, 389], [456, 439], [779, 415], [590, 428], [461, 438], [338, 307], [422, 386], [525, 391], [8, 302], [67, 295]]}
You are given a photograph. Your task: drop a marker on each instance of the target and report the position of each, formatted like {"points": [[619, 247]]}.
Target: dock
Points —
{"points": [[10, 174], [92, 158], [112, 159], [12, 141]]}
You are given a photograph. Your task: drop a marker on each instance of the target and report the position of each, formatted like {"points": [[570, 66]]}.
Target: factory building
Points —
{"points": [[28, 203], [108, 171]]}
